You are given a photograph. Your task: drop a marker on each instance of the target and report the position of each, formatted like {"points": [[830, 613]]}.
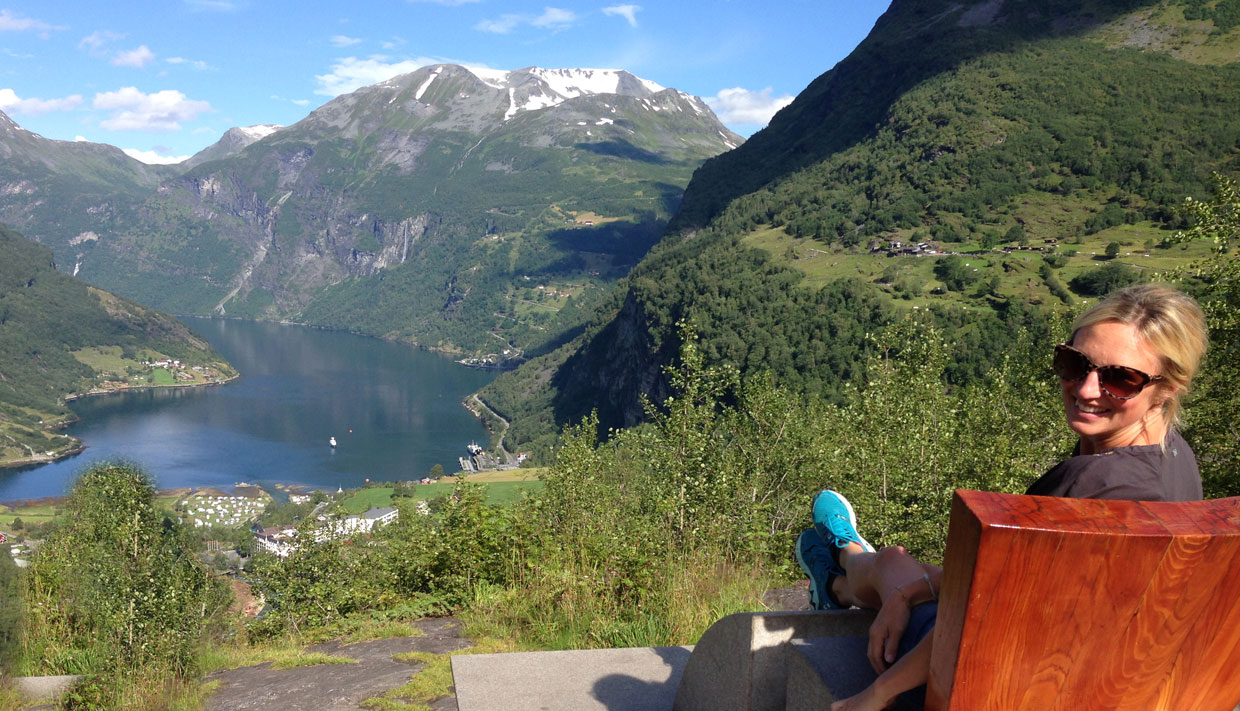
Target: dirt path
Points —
{"points": [[336, 687]]}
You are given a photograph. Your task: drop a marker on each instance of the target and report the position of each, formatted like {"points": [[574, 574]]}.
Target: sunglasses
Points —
{"points": [[1118, 381]]}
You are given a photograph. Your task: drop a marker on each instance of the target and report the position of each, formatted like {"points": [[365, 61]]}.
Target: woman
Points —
{"points": [[1122, 375]]}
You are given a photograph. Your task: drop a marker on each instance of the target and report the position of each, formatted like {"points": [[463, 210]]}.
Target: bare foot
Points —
{"points": [[867, 700]]}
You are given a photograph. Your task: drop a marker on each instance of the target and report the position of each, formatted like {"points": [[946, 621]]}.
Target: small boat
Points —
{"points": [[332, 441]]}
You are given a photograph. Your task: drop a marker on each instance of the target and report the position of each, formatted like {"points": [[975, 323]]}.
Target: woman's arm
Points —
{"points": [[892, 582], [910, 672]]}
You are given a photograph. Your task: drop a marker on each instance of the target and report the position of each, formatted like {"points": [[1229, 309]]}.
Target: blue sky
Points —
{"points": [[163, 79]]}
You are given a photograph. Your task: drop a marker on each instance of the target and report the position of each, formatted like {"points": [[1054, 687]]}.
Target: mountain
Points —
{"points": [[60, 338], [67, 192], [971, 160], [233, 141], [460, 209]]}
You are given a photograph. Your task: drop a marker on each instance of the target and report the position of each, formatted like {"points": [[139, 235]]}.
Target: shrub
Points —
{"points": [[1105, 279]]}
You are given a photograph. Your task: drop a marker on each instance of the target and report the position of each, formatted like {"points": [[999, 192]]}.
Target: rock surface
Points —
{"points": [[336, 687]]}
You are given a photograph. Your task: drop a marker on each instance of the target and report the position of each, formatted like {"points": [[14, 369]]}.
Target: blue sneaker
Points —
{"points": [[835, 520], [814, 556]]}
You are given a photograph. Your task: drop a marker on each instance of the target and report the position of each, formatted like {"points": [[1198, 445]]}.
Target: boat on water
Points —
{"points": [[332, 441]]}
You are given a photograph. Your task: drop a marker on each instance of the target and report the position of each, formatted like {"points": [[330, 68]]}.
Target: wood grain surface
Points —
{"points": [[1054, 603]]}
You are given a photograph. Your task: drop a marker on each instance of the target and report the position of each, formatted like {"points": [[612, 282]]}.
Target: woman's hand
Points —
{"points": [[867, 700], [885, 632]]}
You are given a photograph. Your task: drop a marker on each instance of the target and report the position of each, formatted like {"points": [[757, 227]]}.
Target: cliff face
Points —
{"points": [[419, 184]]}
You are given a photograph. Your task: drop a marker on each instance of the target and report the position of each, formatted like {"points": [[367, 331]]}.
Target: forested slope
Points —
{"points": [[987, 125], [45, 317]]}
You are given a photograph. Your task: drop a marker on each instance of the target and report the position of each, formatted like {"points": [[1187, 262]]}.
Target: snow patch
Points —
{"points": [[693, 101], [259, 131], [604, 122], [422, 89], [512, 105], [540, 101], [571, 83], [494, 78]]}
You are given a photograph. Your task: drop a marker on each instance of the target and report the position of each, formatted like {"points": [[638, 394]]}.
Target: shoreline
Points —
{"points": [[132, 388], [40, 459]]}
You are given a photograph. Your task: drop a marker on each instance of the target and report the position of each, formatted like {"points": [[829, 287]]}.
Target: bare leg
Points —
{"points": [[871, 578]]}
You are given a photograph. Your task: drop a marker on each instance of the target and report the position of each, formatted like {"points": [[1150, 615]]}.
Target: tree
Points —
{"points": [[1104, 279], [436, 471], [1214, 407], [1112, 250], [954, 273], [10, 610], [119, 592]]}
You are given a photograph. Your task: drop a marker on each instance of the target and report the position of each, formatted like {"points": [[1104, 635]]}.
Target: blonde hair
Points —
{"points": [[1170, 322]]}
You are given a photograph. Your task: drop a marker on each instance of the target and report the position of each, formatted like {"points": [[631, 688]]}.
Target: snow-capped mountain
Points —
{"points": [[408, 193], [233, 142]]}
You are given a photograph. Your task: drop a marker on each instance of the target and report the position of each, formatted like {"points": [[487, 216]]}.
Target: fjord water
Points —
{"points": [[298, 388]]}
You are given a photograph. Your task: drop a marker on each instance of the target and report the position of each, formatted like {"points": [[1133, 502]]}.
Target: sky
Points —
{"points": [[163, 79]]}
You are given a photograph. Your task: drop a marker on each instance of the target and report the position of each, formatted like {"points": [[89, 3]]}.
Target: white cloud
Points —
{"points": [[195, 63], [212, 5], [10, 102], [555, 18], [500, 26], [136, 58], [81, 139], [95, 41], [17, 23], [351, 73], [295, 102], [343, 41], [744, 106], [552, 18], [153, 157], [628, 12], [133, 110]]}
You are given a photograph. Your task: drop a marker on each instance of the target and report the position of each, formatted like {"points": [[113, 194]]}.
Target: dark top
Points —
{"points": [[1144, 473]]}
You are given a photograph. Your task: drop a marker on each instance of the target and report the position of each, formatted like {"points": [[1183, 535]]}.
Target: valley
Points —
{"points": [[676, 336]]}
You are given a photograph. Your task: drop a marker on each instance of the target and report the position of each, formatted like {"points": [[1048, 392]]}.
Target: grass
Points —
{"points": [[433, 681], [283, 653], [1018, 272], [369, 498], [523, 474], [29, 515], [310, 659], [498, 492], [10, 700], [108, 364], [502, 487]]}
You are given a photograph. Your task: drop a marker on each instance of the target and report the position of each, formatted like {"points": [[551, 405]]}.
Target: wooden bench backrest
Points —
{"points": [[1084, 604]]}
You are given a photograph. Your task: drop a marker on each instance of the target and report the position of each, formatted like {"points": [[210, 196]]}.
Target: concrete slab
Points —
{"points": [[822, 670], [44, 688], [630, 679], [740, 663]]}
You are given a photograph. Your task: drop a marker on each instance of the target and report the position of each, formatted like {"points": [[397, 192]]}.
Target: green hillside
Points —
{"points": [[60, 337], [426, 209], [1037, 155]]}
